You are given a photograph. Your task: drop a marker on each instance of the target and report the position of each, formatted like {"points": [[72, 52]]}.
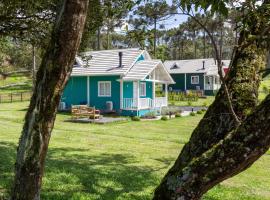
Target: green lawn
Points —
{"points": [[121, 161], [15, 79]]}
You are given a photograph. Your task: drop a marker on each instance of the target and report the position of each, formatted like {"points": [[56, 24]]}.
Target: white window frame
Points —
{"points": [[110, 89], [142, 84], [195, 83]]}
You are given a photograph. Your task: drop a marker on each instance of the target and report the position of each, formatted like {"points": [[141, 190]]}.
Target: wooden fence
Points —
{"points": [[15, 97]]}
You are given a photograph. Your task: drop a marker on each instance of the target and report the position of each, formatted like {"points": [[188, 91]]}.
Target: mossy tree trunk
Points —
{"points": [[185, 180], [51, 79]]}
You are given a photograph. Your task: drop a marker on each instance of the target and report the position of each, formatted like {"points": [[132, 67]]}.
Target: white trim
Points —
{"points": [[138, 96], [142, 84], [110, 91], [88, 91], [198, 82], [121, 94]]}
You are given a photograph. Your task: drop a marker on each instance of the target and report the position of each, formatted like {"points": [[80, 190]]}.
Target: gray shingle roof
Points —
{"points": [[193, 66], [106, 62], [141, 69]]}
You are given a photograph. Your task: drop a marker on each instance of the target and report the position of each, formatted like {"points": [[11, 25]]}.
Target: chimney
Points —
{"points": [[120, 54], [203, 64]]}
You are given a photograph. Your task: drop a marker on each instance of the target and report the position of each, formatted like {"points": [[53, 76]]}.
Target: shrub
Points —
{"points": [[164, 118], [203, 110], [178, 115], [150, 115], [189, 103], [199, 112], [135, 118], [192, 114], [204, 104], [170, 110]]}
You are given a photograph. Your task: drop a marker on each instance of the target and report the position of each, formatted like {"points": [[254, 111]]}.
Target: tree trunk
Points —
{"points": [[238, 151], [243, 83], [34, 65], [221, 42], [98, 38], [204, 44], [51, 79], [155, 36], [195, 44]]}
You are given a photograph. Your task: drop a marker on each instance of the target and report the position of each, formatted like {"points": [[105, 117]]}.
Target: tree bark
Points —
{"points": [[51, 79], [239, 149], [34, 64], [242, 82]]}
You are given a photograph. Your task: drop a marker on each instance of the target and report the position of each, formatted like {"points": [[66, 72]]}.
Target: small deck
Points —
{"points": [[103, 120]]}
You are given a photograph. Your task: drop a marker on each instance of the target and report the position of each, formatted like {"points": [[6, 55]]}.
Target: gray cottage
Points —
{"points": [[195, 74]]}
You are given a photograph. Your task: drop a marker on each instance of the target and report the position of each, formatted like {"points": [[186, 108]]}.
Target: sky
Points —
{"points": [[174, 21]]}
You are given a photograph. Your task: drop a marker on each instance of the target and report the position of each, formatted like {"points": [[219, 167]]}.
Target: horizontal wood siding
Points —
{"points": [[75, 92], [179, 80], [100, 102], [193, 86]]}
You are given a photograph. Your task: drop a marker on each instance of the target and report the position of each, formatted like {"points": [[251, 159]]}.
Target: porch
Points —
{"points": [[212, 83], [143, 103]]}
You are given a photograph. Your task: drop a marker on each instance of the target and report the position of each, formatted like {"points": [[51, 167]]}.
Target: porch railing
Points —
{"points": [[143, 103], [161, 101]]}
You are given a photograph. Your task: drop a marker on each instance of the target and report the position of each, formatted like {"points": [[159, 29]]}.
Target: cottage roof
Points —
{"points": [[206, 66], [133, 67], [142, 69], [106, 62]]}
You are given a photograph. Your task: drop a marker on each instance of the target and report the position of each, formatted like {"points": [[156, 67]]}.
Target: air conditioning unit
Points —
{"points": [[109, 106], [62, 106]]}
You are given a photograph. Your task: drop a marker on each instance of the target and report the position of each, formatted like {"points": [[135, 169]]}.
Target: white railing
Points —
{"points": [[160, 102], [129, 103], [143, 103]]}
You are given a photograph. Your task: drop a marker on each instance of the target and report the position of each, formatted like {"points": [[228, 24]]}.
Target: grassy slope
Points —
{"points": [[15, 79], [116, 161]]}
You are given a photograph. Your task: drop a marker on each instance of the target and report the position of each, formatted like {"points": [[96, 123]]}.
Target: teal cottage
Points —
{"points": [[121, 81], [195, 74]]}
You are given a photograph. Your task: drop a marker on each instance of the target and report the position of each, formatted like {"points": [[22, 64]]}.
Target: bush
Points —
{"points": [[170, 110], [164, 118], [150, 115], [199, 112], [189, 103], [135, 118], [204, 104], [178, 115], [192, 114], [203, 110]]}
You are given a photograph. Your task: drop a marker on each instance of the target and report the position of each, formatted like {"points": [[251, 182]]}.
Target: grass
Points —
{"points": [[15, 79], [200, 102], [119, 161]]}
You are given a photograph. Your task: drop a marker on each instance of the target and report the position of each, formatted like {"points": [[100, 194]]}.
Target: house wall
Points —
{"points": [[193, 86], [180, 81], [75, 92], [100, 102]]}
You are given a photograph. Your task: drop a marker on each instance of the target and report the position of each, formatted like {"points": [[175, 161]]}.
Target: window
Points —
{"points": [[142, 89], [104, 88], [194, 79]]}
